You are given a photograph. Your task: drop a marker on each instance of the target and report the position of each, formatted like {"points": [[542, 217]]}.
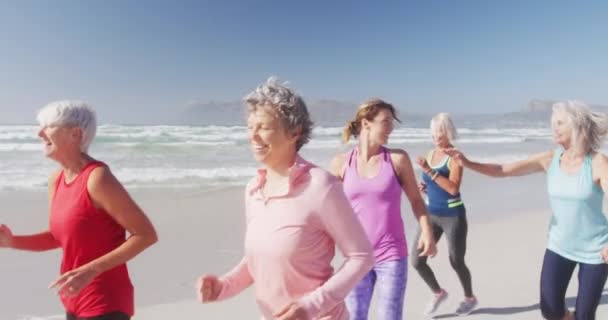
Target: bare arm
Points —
{"points": [[600, 177], [337, 165], [405, 172], [600, 171], [107, 193], [42, 241], [450, 184], [536, 163]]}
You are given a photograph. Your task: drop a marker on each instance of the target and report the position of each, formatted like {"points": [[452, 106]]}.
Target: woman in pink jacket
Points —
{"points": [[296, 215]]}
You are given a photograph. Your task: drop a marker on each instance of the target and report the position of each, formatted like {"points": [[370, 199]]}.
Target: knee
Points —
{"points": [[418, 263], [551, 311], [552, 314], [457, 263]]}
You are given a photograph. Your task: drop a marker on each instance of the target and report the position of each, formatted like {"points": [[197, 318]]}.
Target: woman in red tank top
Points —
{"points": [[89, 217]]}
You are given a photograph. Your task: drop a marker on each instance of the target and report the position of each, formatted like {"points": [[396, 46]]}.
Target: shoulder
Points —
{"points": [[100, 171], [53, 178], [100, 177], [544, 158], [399, 157], [336, 166], [52, 183], [321, 178], [339, 159], [600, 161]]}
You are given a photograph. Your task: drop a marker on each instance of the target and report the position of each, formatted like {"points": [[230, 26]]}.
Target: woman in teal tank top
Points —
{"points": [[577, 177]]}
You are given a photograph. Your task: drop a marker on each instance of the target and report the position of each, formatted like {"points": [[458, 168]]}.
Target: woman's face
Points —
{"points": [[562, 128], [380, 127], [440, 137], [270, 141], [59, 140]]}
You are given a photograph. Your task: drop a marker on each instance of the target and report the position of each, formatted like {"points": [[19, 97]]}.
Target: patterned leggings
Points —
{"points": [[391, 280]]}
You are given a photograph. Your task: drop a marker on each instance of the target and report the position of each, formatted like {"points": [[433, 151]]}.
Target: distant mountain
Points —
{"points": [[328, 112], [324, 112]]}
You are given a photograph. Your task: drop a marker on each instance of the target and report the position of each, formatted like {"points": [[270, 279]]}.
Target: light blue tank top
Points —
{"points": [[578, 229]]}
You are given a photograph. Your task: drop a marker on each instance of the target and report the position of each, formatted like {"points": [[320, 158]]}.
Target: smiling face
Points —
{"points": [[380, 127], [270, 142], [60, 140], [440, 137], [561, 125]]}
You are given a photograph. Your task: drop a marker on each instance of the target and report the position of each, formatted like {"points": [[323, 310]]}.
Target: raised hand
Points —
{"points": [[423, 164], [457, 156]]}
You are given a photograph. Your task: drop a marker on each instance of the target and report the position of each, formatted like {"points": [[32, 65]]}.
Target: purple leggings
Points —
{"points": [[390, 280]]}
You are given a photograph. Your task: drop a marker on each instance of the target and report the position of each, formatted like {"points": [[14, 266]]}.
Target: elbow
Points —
{"points": [[149, 238], [153, 238]]}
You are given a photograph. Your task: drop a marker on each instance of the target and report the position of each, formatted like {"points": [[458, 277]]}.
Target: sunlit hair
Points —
{"points": [[288, 105], [368, 110], [589, 128], [442, 122], [70, 113]]}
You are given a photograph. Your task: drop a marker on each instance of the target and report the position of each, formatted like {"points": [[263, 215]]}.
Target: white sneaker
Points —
{"points": [[467, 306], [436, 300]]}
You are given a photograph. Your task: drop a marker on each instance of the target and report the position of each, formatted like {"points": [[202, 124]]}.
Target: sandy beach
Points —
{"points": [[201, 230]]}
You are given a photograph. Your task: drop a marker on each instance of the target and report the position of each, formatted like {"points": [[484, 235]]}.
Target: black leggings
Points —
{"points": [[554, 280], [107, 316], [455, 229]]}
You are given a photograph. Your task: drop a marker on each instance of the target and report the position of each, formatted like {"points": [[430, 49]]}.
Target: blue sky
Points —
{"points": [[138, 60]]}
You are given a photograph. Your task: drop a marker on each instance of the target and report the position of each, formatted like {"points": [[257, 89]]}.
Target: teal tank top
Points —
{"points": [[578, 229], [440, 202]]}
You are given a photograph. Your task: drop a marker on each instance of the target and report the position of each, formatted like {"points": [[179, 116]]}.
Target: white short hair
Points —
{"points": [[70, 113], [589, 128], [443, 122]]}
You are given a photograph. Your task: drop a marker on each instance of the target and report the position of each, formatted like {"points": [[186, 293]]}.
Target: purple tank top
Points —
{"points": [[377, 203]]}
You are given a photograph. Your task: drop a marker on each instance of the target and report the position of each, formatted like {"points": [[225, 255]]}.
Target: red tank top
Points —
{"points": [[86, 233]]}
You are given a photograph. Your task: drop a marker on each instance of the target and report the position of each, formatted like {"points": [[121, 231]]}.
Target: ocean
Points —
{"points": [[216, 156]]}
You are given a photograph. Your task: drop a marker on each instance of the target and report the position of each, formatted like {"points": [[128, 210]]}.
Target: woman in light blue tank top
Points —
{"points": [[577, 177]]}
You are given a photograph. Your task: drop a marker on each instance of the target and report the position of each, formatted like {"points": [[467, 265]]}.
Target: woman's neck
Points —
{"points": [[280, 169], [73, 165], [367, 150]]}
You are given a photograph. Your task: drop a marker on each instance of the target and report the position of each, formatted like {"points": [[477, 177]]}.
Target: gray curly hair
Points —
{"points": [[288, 105]]}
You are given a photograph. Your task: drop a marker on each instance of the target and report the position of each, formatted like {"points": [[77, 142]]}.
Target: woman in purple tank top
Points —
{"points": [[373, 178]]}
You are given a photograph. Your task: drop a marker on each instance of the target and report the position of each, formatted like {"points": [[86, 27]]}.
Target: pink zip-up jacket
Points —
{"points": [[290, 242]]}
